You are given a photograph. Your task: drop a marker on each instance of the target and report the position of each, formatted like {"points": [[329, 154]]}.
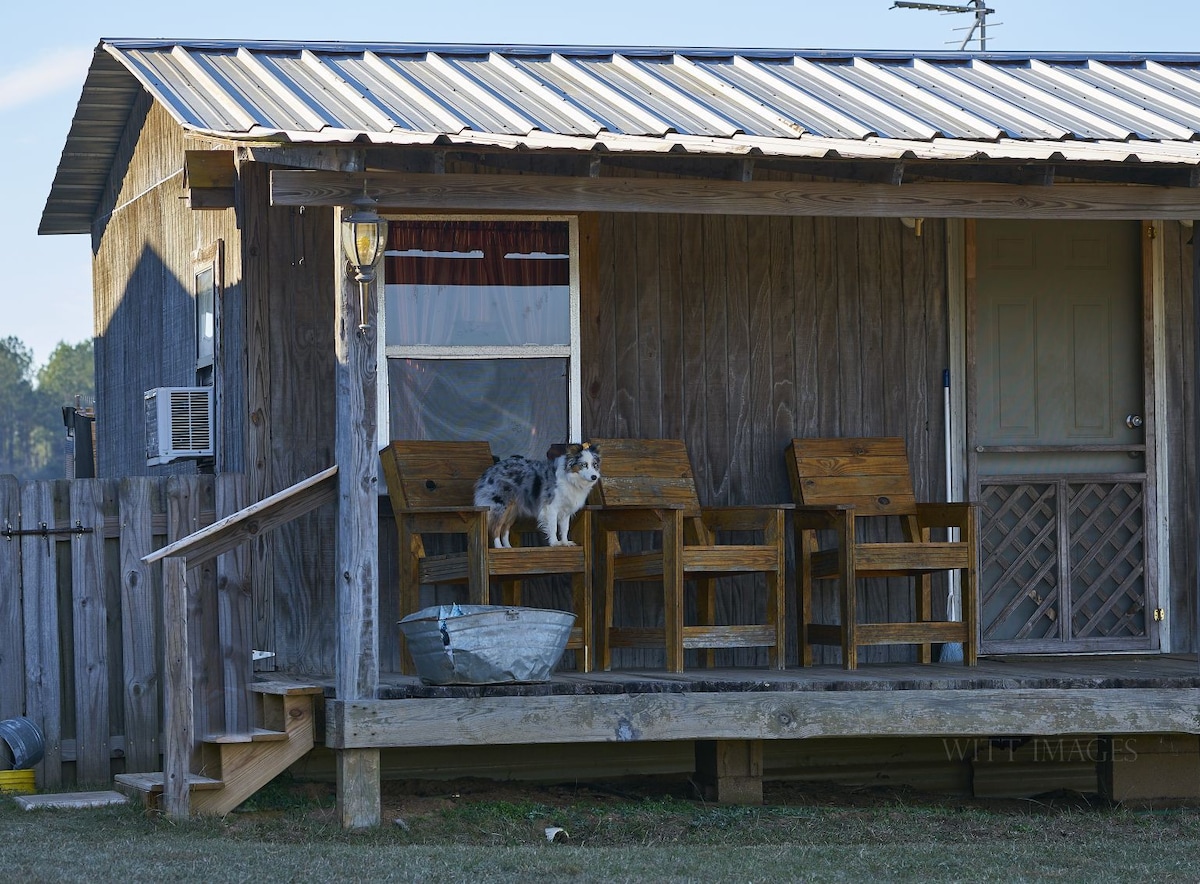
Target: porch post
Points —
{"points": [[357, 661], [1195, 403]]}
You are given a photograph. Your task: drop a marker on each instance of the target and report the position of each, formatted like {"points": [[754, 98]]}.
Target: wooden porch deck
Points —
{"points": [[1004, 696], [1061, 723]]}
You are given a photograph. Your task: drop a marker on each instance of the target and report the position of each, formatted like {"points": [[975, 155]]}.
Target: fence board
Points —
{"points": [[81, 618], [43, 674], [90, 627], [12, 640], [141, 627]]}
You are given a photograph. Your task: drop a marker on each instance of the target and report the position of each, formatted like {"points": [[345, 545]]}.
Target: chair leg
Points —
{"points": [[777, 617], [581, 595], [478, 576], [777, 595], [805, 547], [672, 578], [848, 591], [706, 609], [410, 589], [608, 542], [924, 601], [970, 600]]}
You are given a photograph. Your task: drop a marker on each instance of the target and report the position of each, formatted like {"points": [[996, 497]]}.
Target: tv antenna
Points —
{"points": [[976, 6]]}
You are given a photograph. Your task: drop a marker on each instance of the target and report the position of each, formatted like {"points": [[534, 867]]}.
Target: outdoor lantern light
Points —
{"points": [[364, 236]]}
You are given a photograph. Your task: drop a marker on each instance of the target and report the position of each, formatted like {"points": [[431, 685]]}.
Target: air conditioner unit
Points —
{"points": [[179, 423]]}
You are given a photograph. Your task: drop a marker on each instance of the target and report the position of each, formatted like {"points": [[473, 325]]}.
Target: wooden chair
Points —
{"points": [[432, 489], [842, 485], [646, 485]]}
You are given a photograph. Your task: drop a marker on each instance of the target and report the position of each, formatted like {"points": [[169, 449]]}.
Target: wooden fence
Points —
{"points": [[81, 625]]}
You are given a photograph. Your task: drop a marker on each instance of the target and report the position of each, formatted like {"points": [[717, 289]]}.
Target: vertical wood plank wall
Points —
{"points": [[144, 301], [738, 333], [82, 625]]}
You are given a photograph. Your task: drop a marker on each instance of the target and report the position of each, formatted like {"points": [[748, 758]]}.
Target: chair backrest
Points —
{"points": [[428, 474], [646, 472], [871, 474]]}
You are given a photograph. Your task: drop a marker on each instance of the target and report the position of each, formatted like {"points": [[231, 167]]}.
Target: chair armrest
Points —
{"points": [[820, 518], [634, 518], [945, 515], [441, 519], [742, 518]]}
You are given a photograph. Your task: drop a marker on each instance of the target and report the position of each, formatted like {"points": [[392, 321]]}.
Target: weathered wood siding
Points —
{"points": [[291, 405], [82, 627], [143, 242], [739, 333]]}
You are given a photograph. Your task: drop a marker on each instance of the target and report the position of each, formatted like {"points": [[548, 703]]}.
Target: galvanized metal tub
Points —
{"points": [[486, 644]]}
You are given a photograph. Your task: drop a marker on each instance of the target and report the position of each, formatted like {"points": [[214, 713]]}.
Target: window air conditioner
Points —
{"points": [[179, 423]]}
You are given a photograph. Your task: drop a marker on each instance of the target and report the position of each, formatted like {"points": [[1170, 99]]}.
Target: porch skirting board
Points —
{"points": [[766, 715]]}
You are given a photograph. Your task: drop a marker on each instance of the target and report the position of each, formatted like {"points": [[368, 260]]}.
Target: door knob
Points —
{"points": [[1133, 421]]}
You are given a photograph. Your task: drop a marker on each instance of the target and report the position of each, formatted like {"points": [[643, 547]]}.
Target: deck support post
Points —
{"points": [[357, 660], [730, 771], [1143, 770]]}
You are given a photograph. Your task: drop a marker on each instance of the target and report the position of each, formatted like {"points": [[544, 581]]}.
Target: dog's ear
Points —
{"points": [[592, 447], [556, 451]]}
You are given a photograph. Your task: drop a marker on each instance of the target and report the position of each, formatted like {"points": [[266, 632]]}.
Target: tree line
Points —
{"points": [[32, 433]]}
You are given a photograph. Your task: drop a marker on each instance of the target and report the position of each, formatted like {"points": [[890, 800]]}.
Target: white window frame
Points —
{"points": [[571, 352]]}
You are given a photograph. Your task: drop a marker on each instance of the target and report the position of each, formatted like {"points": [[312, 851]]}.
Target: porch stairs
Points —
{"points": [[235, 766]]}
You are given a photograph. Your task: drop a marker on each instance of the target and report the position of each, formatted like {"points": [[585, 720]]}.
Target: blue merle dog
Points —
{"points": [[550, 491]]}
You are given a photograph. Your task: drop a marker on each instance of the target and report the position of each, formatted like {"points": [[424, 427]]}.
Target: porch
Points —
{"points": [[1125, 726]]}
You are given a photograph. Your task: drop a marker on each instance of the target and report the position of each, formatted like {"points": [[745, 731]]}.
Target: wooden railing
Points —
{"points": [[184, 725]]}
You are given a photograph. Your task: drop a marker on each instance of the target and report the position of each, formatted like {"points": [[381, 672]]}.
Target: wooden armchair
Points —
{"points": [[432, 489], [841, 485], [646, 485]]}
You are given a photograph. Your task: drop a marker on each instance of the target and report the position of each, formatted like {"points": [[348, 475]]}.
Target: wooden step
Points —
{"points": [[285, 688], [258, 735], [70, 800], [152, 783]]}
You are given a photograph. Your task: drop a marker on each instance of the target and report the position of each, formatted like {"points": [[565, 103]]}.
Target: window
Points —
{"points": [[206, 265], [480, 325]]}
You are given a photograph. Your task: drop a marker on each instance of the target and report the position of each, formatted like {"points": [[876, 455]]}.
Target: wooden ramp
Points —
{"points": [[235, 766]]}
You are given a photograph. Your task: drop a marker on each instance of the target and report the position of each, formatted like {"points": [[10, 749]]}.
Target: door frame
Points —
{"points": [[962, 253]]}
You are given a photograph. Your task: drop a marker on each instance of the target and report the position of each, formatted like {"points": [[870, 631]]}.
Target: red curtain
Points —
{"points": [[495, 239]]}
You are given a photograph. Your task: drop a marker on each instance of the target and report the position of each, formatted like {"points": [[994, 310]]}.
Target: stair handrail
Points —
{"points": [[198, 547]]}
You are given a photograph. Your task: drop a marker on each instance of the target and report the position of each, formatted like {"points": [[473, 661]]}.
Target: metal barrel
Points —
{"points": [[24, 740]]}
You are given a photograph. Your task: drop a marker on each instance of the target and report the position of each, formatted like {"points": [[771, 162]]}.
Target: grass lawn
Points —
{"points": [[650, 831]]}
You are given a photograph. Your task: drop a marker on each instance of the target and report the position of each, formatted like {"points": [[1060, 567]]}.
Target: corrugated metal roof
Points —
{"points": [[813, 104]]}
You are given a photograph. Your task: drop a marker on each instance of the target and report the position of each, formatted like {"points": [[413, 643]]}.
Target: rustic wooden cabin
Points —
{"points": [[988, 255]]}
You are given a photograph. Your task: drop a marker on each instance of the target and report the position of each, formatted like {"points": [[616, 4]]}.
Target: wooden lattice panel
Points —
{"points": [[1020, 562], [1063, 565], [1108, 556]]}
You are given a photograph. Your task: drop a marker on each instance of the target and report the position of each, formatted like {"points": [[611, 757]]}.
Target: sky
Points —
{"points": [[45, 293]]}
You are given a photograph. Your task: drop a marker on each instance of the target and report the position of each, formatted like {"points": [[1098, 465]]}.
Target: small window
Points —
{"points": [[207, 294], [481, 332]]}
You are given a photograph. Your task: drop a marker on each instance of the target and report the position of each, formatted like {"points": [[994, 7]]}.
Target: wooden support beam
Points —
{"points": [[177, 676], [209, 177], [454, 192], [730, 771], [772, 715], [1150, 769], [357, 555]]}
